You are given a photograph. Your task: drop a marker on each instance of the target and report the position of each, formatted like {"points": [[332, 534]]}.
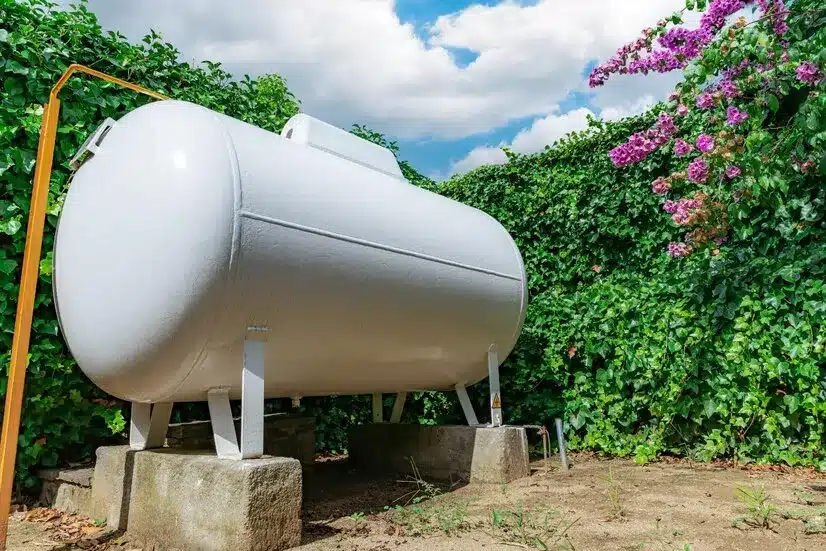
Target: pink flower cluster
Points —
{"points": [[682, 148], [678, 250], [661, 186], [733, 171], [809, 73], [682, 210], [705, 143], [642, 144], [777, 12], [698, 170], [735, 117], [679, 45]]}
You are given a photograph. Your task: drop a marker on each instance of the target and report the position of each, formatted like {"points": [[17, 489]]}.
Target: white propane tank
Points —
{"points": [[185, 227]]}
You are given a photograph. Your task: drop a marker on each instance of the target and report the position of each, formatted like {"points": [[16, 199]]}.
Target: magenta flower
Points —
{"points": [[735, 117], [809, 73], [705, 101], [678, 250], [660, 186], [720, 240], [698, 170], [682, 148], [705, 143], [682, 210], [733, 171], [682, 110], [666, 124]]}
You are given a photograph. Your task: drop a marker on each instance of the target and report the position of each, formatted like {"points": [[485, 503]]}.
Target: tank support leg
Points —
{"points": [[467, 407], [398, 407], [252, 400], [223, 426], [148, 424], [493, 379], [378, 415]]}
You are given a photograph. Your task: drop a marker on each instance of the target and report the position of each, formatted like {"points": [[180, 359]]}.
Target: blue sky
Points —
{"points": [[450, 80]]}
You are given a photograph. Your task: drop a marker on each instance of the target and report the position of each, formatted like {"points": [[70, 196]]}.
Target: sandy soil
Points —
{"points": [[597, 505]]}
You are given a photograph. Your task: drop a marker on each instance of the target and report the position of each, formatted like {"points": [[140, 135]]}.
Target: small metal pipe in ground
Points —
{"points": [[561, 437]]}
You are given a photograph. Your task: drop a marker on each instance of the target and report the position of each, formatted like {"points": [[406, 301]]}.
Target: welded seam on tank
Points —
{"points": [[374, 245], [234, 245]]}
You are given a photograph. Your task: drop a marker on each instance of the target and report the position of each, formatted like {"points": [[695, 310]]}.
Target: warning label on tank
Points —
{"points": [[497, 404]]}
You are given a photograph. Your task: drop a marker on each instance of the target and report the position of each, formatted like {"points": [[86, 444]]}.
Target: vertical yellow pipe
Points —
{"points": [[25, 310], [28, 283]]}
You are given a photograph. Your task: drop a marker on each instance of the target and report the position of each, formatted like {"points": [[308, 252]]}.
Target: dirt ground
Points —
{"points": [[597, 505]]}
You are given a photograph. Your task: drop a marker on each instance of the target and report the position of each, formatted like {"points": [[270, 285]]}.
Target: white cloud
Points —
{"points": [[617, 112], [354, 61], [542, 132]]}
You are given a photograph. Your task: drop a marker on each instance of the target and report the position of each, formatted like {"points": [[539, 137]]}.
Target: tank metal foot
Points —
{"points": [[223, 426], [467, 406], [252, 405], [252, 399], [378, 414], [398, 407], [493, 379], [148, 424]]}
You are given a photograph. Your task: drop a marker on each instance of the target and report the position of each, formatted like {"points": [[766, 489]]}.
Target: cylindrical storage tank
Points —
{"points": [[187, 226]]}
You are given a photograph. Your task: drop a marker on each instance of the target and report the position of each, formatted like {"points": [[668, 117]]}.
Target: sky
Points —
{"points": [[451, 80]]}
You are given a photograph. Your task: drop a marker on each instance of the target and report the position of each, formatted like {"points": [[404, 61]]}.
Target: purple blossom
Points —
{"points": [[720, 240], [809, 73], [733, 171], [735, 117], [642, 144], [729, 89], [678, 250], [705, 143], [666, 124], [698, 170], [777, 12], [705, 101], [682, 110], [660, 186], [682, 210], [682, 148]]}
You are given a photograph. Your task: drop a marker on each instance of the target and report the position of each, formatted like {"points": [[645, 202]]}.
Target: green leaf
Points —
{"points": [[813, 121], [773, 103], [4, 35]]}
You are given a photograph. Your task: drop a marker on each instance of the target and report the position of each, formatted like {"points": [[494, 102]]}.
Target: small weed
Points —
{"points": [[614, 493], [99, 522], [357, 516], [450, 517], [663, 543], [759, 509], [424, 490], [539, 529]]}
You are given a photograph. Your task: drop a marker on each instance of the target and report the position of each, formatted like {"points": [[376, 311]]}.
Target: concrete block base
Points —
{"points": [[472, 454], [194, 500], [67, 490]]}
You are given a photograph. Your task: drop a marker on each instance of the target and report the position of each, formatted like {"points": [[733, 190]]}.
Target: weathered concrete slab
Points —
{"points": [[471, 454], [67, 490], [285, 435], [191, 500]]}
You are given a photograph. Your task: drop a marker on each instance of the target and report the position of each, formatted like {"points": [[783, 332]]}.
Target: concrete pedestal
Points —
{"points": [[472, 454], [193, 500]]}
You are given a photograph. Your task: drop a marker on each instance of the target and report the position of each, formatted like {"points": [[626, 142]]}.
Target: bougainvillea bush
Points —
{"points": [[677, 258]]}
